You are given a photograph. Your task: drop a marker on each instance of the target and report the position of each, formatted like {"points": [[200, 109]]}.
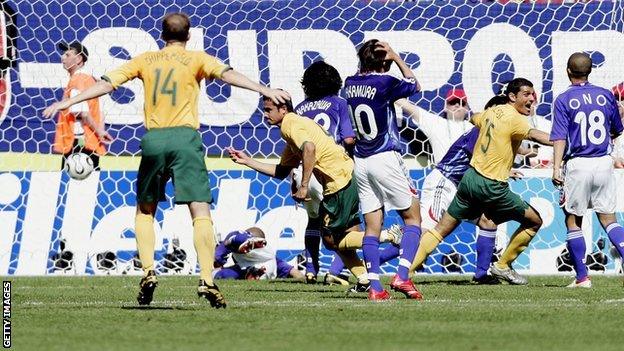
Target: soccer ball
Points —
{"points": [[78, 165]]}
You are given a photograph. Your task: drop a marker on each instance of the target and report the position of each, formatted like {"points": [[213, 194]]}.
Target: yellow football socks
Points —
{"points": [[354, 264], [353, 240], [518, 243], [203, 239], [428, 242], [146, 239]]}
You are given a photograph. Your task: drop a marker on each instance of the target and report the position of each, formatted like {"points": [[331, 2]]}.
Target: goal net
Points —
{"points": [[50, 224]]}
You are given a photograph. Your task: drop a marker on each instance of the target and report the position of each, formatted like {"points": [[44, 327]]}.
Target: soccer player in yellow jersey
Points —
{"points": [[308, 144], [483, 190], [172, 147]]}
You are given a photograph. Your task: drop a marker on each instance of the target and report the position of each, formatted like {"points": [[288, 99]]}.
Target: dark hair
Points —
{"points": [[372, 60], [320, 79], [175, 27], [515, 85], [496, 100], [580, 65], [288, 103]]}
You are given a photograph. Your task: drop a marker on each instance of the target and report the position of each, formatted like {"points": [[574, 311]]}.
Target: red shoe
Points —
{"points": [[407, 287], [378, 296], [251, 244]]}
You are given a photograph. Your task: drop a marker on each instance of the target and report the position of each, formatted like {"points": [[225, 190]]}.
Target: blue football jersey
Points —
{"points": [[371, 100], [456, 161], [585, 116], [331, 113]]}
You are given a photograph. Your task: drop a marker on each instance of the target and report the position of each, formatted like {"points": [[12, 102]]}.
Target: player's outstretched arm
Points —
{"points": [[410, 109], [276, 171], [540, 137], [240, 80], [101, 133], [96, 90]]}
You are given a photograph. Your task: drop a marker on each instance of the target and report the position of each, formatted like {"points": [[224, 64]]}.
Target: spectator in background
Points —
{"points": [[618, 143], [81, 127], [441, 131], [531, 154]]}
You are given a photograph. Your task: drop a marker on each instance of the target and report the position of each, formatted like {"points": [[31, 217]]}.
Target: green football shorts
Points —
{"points": [[176, 153], [478, 195], [341, 211]]}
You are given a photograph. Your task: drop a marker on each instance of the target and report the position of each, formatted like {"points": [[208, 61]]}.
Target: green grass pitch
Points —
{"points": [[100, 313]]}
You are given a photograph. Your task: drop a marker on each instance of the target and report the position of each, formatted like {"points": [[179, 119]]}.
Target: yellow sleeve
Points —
{"points": [[520, 128], [476, 119], [211, 67], [124, 73]]}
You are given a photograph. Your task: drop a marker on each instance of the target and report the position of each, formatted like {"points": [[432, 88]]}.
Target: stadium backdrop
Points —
{"points": [[472, 45]]}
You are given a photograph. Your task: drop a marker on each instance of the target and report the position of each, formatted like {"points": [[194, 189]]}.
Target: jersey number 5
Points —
{"points": [[488, 135], [167, 87]]}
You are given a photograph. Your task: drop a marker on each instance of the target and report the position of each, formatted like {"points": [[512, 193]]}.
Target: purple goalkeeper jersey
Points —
{"points": [[456, 161], [585, 116], [331, 113], [371, 100]]}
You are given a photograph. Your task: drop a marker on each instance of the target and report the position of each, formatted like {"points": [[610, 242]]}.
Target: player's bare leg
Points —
{"points": [[517, 244], [145, 238], [204, 242]]}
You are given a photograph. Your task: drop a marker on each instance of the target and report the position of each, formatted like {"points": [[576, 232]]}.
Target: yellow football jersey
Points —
{"points": [[333, 167], [501, 131], [171, 79]]}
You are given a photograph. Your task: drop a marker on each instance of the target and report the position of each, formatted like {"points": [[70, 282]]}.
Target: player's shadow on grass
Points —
{"points": [[444, 281], [290, 291], [147, 308]]}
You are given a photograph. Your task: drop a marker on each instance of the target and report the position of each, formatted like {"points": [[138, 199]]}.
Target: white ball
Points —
{"points": [[78, 165]]}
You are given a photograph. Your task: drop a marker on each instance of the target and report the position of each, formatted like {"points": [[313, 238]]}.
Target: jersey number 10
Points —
{"points": [[364, 113]]}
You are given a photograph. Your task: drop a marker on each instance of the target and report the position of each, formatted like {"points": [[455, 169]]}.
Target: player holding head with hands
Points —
{"points": [[382, 179], [172, 147]]}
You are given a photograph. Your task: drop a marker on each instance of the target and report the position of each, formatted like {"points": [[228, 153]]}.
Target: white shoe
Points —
{"points": [[585, 283]]}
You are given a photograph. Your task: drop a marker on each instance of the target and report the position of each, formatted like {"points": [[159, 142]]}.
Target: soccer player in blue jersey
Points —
{"points": [[321, 84], [585, 120], [253, 258], [382, 179]]}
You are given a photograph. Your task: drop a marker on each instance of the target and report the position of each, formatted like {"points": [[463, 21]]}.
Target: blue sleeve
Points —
{"points": [[402, 88], [221, 254], [560, 121], [345, 128], [471, 141], [616, 120]]}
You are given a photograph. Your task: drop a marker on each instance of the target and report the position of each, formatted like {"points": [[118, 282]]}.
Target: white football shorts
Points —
{"points": [[315, 192], [435, 197], [590, 184], [383, 181]]}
